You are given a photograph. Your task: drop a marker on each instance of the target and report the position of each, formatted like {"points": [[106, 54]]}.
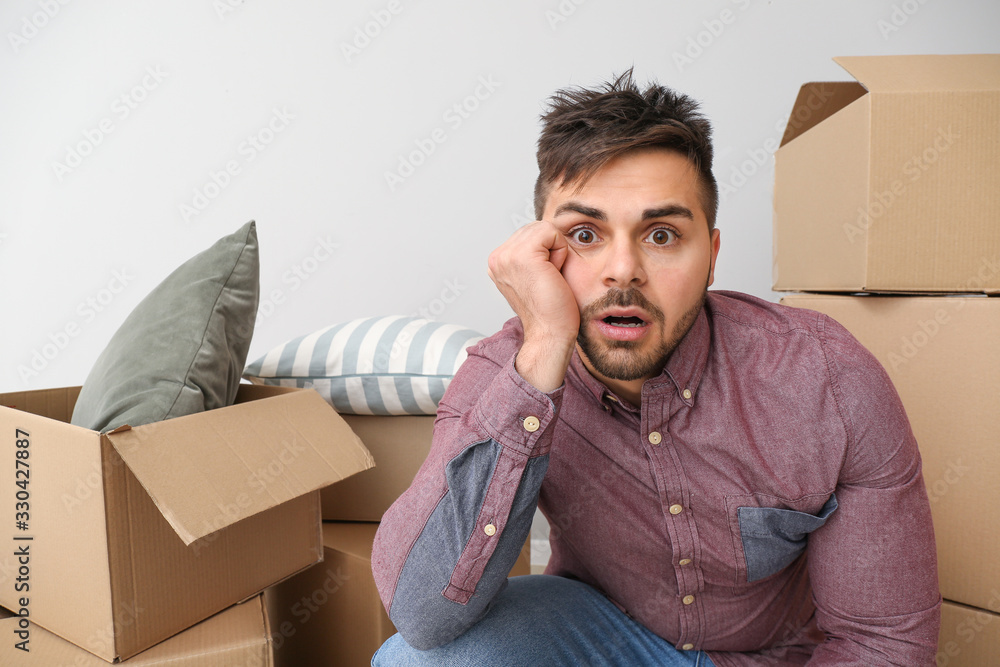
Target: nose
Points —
{"points": [[623, 266]]}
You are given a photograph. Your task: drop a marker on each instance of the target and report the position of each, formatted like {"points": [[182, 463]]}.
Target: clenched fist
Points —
{"points": [[527, 271]]}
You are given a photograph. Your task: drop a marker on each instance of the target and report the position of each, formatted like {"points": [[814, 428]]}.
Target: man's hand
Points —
{"points": [[526, 270]]}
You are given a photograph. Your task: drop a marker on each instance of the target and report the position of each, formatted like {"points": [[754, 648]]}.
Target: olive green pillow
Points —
{"points": [[183, 349]]}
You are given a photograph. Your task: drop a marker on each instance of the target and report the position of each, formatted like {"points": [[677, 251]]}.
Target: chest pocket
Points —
{"points": [[773, 537]]}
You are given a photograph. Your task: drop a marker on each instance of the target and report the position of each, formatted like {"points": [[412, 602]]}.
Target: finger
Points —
{"points": [[558, 257], [560, 247]]}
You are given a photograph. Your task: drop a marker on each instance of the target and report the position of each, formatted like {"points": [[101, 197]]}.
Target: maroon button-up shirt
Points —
{"points": [[764, 503]]}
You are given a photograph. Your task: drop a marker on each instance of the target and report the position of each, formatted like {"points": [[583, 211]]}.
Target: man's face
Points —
{"points": [[641, 260]]}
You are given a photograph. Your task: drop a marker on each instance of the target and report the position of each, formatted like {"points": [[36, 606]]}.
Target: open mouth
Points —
{"points": [[616, 321]]}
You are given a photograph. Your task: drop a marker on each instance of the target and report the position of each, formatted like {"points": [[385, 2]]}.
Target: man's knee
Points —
{"points": [[521, 611], [395, 652]]}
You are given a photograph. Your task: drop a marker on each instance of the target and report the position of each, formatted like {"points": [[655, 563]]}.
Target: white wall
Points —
{"points": [[110, 228]]}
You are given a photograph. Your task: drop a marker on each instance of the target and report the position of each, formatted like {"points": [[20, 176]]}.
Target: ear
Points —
{"points": [[715, 255]]}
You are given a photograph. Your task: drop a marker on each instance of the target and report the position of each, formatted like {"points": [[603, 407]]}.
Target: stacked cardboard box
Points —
{"points": [[124, 539], [239, 636], [331, 614], [887, 191], [399, 445], [892, 184], [136, 535]]}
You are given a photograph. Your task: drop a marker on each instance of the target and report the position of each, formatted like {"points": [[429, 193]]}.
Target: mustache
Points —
{"points": [[619, 298]]}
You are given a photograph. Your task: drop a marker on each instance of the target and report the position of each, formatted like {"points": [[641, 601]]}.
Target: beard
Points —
{"points": [[624, 359]]}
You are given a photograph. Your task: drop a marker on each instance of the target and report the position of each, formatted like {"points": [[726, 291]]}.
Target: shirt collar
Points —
{"points": [[684, 368]]}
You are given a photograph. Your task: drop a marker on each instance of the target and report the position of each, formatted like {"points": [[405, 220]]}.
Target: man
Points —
{"points": [[728, 481]]}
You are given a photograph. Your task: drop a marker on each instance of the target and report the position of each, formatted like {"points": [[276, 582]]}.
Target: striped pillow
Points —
{"points": [[376, 366]]}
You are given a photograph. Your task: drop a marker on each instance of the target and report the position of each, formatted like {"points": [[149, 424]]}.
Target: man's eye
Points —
{"points": [[582, 235], [662, 236]]}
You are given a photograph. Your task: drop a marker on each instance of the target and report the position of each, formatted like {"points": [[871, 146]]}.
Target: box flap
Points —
{"points": [[818, 228], [818, 101], [49, 403], [924, 73], [209, 470]]}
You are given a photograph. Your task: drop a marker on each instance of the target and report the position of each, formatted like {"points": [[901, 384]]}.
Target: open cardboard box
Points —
{"points": [[331, 613], [892, 183], [237, 637], [134, 535]]}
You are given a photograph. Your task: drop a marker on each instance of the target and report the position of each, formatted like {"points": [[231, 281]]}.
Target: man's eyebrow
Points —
{"points": [[669, 211], [576, 207]]}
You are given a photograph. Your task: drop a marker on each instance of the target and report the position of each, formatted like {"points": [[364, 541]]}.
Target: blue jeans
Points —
{"points": [[547, 621]]}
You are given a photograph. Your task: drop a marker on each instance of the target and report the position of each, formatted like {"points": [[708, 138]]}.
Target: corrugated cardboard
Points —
{"points": [[943, 356], [236, 637], [137, 534], [331, 614], [399, 445], [893, 183], [969, 637]]}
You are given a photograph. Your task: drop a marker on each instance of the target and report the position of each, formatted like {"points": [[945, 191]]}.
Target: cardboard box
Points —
{"points": [[134, 535], [331, 614], [892, 183], [399, 445], [236, 637], [942, 355], [969, 637]]}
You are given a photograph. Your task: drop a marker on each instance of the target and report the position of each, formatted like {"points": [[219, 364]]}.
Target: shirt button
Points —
{"points": [[676, 509], [686, 394], [531, 424], [687, 599], [490, 529], [687, 647], [655, 437], [684, 561]]}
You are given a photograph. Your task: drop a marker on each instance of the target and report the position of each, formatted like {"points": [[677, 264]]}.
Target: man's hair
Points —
{"points": [[583, 130]]}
